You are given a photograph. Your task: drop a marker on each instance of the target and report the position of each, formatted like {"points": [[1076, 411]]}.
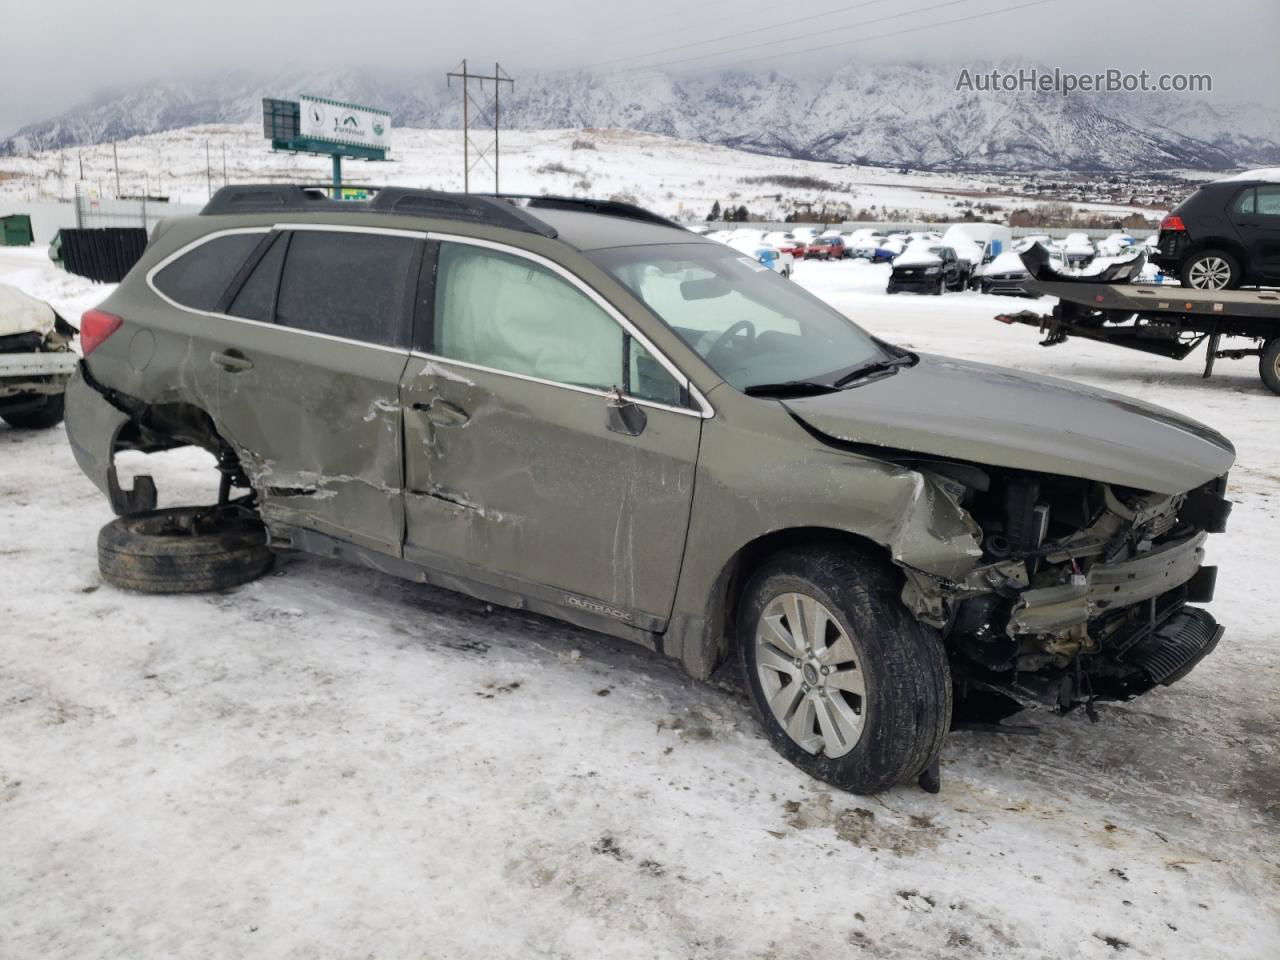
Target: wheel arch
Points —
{"points": [[707, 641], [1227, 245]]}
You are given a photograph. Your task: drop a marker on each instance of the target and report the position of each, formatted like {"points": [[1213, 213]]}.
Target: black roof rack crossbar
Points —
{"points": [[606, 208], [295, 198]]}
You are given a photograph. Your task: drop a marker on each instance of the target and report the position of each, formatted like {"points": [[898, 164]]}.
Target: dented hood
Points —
{"points": [[994, 416]]}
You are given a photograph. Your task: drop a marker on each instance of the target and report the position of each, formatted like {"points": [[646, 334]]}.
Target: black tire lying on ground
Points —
{"points": [[46, 414], [184, 550], [906, 703]]}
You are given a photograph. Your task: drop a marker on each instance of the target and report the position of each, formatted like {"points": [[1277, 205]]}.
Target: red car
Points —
{"points": [[830, 248]]}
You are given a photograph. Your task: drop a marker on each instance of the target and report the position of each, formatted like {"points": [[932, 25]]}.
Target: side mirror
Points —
{"points": [[622, 416]]}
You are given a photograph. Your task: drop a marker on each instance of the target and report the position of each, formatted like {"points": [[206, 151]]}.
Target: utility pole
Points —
{"points": [[115, 155], [488, 110], [224, 164], [208, 170]]}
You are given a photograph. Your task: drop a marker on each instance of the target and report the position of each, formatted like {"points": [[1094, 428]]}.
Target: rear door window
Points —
{"points": [[348, 284], [199, 278]]}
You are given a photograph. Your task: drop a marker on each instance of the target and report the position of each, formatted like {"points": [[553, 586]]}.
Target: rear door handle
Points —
{"points": [[232, 361]]}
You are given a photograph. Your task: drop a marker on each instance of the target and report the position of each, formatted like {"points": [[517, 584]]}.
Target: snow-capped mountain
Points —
{"points": [[897, 114]]}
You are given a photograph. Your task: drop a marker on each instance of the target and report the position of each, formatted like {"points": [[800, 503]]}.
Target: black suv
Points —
{"points": [[1225, 234]]}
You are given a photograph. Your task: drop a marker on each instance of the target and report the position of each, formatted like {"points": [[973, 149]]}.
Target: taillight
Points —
{"points": [[1172, 222], [96, 326]]}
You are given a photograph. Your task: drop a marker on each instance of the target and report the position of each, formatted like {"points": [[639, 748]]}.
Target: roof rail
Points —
{"points": [[297, 198], [605, 208], [492, 209]]}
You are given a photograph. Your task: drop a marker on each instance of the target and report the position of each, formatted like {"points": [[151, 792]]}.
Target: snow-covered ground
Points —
{"points": [[678, 178], [332, 763]]}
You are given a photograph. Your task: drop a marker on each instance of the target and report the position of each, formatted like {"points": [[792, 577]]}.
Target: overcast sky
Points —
{"points": [[58, 54]]}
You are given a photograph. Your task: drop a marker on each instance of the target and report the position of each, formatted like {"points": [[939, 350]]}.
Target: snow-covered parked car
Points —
{"points": [[1077, 250], [1114, 244], [927, 268], [36, 360], [767, 254], [863, 244], [977, 244], [1023, 244], [787, 244], [1005, 275]]}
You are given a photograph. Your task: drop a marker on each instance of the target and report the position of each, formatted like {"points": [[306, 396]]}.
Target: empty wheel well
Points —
{"points": [[723, 605], [170, 425]]}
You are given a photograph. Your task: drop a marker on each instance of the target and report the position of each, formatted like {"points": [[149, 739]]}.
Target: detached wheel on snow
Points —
{"points": [[43, 413], [847, 684], [184, 549]]}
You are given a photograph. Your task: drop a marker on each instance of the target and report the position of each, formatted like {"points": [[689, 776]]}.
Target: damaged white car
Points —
{"points": [[36, 360]]}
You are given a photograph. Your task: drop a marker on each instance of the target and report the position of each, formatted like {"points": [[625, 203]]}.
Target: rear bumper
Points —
{"points": [[93, 424]]}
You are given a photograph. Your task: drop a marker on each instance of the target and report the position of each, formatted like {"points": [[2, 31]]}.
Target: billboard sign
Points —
{"points": [[347, 124]]}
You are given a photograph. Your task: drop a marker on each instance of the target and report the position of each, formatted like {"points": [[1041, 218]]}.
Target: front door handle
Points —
{"points": [[442, 413], [232, 361]]}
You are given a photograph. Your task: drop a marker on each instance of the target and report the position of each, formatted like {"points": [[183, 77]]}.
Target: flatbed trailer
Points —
{"points": [[1164, 320]]}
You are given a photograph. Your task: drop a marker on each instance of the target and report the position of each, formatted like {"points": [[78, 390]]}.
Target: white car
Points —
{"points": [[863, 243], [36, 360], [767, 254], [1023, 244], [1077, 249], [1114, 245]]}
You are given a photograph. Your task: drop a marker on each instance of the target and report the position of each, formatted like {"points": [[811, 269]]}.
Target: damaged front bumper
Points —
{"points": [[1110, 586]]}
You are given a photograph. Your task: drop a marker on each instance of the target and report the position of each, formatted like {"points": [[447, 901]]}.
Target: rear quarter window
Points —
{"points": [[199, 278]]}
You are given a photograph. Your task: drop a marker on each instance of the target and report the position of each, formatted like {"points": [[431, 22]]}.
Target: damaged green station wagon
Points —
{"points": [[578, 408]]}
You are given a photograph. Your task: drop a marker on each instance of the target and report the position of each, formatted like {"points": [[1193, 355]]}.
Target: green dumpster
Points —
{"points": [[15, 231]]}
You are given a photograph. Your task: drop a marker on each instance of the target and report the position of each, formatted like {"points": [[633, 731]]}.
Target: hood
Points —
{"points": [[917, 257], [20, 313], [994, 416]]}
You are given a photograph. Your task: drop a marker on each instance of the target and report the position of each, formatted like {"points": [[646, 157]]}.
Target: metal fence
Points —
{"points": [[900, 226], [144, 212]]}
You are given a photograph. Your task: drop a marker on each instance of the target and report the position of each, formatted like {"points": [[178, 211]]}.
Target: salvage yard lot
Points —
{"points": [[330, 762]]}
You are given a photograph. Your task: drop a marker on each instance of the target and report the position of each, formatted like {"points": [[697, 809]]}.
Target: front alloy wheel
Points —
{"points": [[809, 672], [847, 685]]}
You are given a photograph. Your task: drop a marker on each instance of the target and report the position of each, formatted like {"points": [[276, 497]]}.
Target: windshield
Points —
{"points": [[751, 326]]}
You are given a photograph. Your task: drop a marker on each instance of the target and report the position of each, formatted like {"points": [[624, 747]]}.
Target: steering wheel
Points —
{"points": [[724, 338]]}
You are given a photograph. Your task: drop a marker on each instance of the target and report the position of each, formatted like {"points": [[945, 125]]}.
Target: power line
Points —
{"points": [[733, 36], [840, 43]]}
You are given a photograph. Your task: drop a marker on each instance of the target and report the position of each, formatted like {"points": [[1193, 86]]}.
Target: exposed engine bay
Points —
{"points": [[1084, 587]]}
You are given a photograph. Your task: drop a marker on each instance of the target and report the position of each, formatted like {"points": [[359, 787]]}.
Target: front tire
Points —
{"points": [[42, 417], [847, 685], [1269, 364], [1211, 270]]}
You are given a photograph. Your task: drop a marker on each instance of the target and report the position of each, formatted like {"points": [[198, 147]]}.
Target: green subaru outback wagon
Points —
{"points": [[581, 409]]}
